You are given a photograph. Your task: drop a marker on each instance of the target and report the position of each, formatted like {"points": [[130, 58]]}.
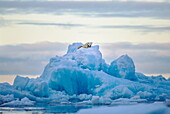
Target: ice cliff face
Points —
{"points": [[82, 75], [123, 67]]}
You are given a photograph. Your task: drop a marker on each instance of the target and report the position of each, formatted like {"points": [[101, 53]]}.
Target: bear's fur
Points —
{"points": [[87, 45]]}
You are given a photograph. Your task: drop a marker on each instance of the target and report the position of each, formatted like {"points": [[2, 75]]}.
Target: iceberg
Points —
{"points": [[82, 76], [123, 67]]}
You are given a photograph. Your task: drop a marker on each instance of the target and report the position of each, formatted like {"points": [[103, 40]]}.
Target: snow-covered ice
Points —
{"points": [[154, 108], [82, 76], [23, 102]]}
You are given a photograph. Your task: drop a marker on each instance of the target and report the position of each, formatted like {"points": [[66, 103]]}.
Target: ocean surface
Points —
{"points": [[44, 109], [139, 108]]}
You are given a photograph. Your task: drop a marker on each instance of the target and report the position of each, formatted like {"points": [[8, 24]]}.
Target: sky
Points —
{"points": [[31, 32]]}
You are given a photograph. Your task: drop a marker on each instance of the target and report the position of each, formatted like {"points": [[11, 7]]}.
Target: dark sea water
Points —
{"points": [[139, 108], [57, 109]]}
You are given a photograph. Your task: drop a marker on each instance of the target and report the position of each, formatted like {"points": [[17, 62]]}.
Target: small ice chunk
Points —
{"points": [[20, 82], [23, 102]]}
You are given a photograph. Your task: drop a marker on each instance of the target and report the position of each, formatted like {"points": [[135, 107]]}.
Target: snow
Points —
{"points": [[73, 47], [96, 100], [23, 102], [6, 98], [121, 91], [126, 101], [155, 108], [82, 76]]}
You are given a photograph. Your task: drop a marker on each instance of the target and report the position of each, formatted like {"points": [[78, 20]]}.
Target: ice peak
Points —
{"points": [[84, 58], [123, 67], [125, 57], [73, 47]]}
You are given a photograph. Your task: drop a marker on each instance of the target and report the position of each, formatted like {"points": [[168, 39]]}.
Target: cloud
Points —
{"points": [[144, 28], [30, 59], [140, 28], [89, 9], [94, 9], [140, 46], [52, 24], [95, 0], [150, 58], [3, 22]]}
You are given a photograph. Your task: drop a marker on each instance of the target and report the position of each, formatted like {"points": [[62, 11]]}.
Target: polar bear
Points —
{"points": [[87, 45]]}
